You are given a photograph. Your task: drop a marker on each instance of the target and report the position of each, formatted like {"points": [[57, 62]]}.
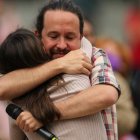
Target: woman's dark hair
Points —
{"points": [[65, 5], [22, 49]]}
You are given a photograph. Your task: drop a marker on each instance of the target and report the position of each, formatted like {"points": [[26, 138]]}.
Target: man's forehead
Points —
{"points": [[61, 20], [60, 14]]}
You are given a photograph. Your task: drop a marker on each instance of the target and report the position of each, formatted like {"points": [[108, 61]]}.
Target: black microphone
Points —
{"points": [[14, 111]]}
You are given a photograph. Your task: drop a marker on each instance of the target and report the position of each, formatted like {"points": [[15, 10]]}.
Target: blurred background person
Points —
{"points": [[132, 30], [121, 60], [88, 31], [126, 111], [9, 21]]}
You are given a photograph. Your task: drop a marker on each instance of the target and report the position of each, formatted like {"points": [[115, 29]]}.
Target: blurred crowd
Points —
{"points": [[124, 55]]}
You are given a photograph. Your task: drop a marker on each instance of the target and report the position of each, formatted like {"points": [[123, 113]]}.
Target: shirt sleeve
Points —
{"points": [[102, 72]]}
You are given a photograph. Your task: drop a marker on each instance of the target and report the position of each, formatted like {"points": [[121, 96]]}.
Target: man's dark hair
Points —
{"points": [[64, 5]]}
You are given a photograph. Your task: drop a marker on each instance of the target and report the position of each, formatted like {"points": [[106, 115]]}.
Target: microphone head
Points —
{"points": [[13, 110]]}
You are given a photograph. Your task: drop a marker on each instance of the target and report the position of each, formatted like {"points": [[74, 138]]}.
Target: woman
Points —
{"points": [[22, 49]]}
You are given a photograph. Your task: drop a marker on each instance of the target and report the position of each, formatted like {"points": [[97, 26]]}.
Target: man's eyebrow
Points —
{"points": [[72, 34], [52, 32]]}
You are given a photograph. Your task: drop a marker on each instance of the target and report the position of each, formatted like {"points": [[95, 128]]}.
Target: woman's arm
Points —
{"points": [[17, 83]]}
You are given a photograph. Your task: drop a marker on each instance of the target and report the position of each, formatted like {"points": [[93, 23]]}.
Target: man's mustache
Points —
{"points": [[59, 51]]}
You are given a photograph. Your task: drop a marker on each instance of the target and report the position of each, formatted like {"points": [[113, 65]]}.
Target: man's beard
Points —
{"points": [[57, 51]]}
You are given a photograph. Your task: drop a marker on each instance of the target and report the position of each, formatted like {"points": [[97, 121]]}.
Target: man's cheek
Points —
{"points": [[46, 47], [75, 47]]}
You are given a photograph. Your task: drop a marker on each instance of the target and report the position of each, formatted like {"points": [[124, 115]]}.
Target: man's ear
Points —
{"points": [[36, 33]]}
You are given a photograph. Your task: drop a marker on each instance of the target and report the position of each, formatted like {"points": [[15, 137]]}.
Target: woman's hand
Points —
{"points": [[76, 62], [27, 122]]}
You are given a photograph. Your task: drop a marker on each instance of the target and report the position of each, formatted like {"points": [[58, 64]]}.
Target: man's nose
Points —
{"points": [[62, 43]]}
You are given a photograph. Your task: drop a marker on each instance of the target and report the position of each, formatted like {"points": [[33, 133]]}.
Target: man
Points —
{"points": [[60, 26]]}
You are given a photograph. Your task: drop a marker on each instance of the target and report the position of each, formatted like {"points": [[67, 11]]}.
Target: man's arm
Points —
{"points": [[17, 83], [89, 101], [102, 94]]}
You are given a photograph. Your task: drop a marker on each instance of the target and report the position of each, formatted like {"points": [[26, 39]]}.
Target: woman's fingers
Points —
{"points": [[27, 122]]}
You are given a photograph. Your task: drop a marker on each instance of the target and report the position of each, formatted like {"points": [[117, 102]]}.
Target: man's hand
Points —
{"points": [[27, 122], [76, 62]]}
